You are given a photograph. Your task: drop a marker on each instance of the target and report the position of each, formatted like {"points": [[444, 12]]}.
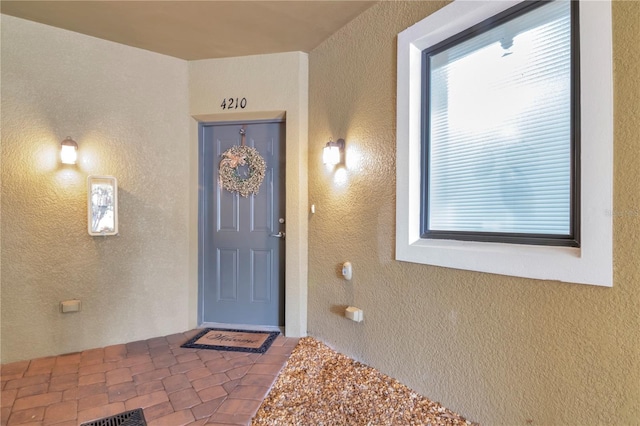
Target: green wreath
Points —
{"points": [[231, 180]]}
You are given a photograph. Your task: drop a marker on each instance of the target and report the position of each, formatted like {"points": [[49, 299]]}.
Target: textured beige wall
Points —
{"points": [[500, 350], [128, 111], [274, 86]]}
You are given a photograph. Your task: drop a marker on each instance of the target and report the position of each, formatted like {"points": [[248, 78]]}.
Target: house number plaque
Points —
{"points": [[234, 103]]}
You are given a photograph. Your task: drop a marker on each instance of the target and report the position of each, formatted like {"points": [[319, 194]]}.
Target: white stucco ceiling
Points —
{"points": [[197, 29]]}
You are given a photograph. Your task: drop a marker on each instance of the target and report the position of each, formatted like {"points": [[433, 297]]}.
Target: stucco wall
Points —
{"points": [[128, 111], [497, 349], [275, 86]]}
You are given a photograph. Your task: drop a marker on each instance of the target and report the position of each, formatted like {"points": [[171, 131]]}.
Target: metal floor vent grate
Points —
{"points": [[129, 418]]}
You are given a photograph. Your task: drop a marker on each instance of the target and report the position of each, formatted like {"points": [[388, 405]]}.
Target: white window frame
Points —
{"points": [[592, 262]]}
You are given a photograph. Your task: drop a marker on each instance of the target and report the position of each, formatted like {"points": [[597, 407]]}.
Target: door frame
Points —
{"points": [[297, 212], [202, 213]]}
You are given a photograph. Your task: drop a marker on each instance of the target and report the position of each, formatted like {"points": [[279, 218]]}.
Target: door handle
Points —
{"points": [[278, 235]]}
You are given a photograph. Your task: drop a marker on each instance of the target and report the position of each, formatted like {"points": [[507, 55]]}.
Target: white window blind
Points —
{"points": [[500, 128]]}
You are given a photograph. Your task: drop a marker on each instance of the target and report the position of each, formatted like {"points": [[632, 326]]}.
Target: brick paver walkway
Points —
{"points": [[174, 386]]}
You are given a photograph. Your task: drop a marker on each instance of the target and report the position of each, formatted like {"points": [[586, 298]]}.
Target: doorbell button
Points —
{"points": [[347, 270]]}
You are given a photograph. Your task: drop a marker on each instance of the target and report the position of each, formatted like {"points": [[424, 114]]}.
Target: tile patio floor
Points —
{"points": [[174, 386]]}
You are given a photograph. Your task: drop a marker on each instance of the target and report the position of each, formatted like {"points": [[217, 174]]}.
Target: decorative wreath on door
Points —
{"points": [[242, 155]]}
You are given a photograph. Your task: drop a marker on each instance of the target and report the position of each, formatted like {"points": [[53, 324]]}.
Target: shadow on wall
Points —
{"points": [[338, 309]]}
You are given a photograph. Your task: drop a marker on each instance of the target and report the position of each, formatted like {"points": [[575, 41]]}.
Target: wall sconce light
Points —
{"points": [[332, 153], [69, 151]]}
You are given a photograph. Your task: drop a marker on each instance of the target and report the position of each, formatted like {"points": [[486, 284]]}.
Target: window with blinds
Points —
{"points": [[500, 142]]}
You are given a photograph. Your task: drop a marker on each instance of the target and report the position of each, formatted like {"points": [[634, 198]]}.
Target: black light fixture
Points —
{"points": [[69, 151], [332, 153]]}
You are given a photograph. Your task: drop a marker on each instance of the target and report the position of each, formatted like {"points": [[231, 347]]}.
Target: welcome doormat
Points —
{"points": [[233, 340]]}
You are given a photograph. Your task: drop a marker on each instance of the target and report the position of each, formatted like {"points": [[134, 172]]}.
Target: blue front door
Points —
{"points": [[242, 238]]}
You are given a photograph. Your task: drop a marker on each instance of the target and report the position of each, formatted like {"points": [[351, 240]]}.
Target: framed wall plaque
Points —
{"points": [[102, 205]]}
